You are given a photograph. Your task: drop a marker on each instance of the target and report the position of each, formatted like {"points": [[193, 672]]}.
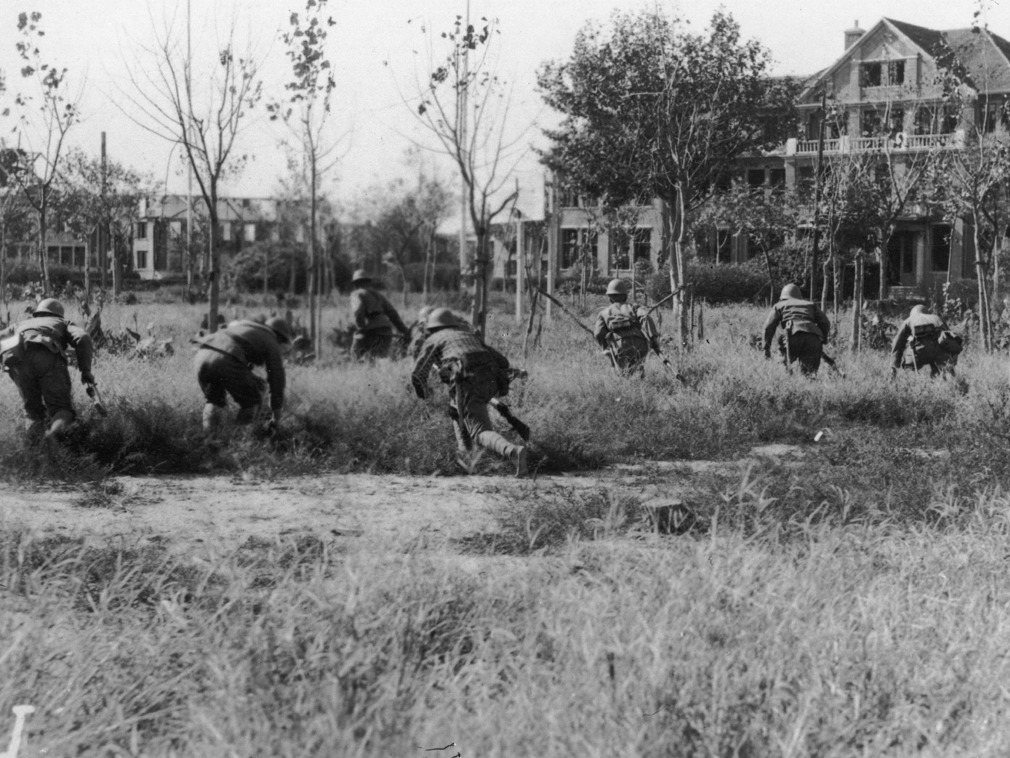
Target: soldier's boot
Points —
{"points": [[60, 424], [213, 424], [516, 454]]}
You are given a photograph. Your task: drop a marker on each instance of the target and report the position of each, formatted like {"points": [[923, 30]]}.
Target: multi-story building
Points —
{"points": [[160, 233], [883, 94]]}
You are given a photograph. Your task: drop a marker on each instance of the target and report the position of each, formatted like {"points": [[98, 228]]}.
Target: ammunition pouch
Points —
{"points": [[474, 367], [950, 342]]}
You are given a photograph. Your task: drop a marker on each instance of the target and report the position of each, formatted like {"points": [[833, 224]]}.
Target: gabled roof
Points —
{"points": [[983, 57]]}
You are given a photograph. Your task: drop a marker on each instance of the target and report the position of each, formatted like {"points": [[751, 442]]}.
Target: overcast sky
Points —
{"points": [[378, 48]]}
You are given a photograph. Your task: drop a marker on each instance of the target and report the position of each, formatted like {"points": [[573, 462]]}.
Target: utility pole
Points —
{"points": [[462, 114], [817, 195], [189, 176], [520, 261]]}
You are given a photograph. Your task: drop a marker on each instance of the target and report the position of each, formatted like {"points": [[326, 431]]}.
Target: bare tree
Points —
{"points": [[466, 106], [202, 104], [46, 115]]}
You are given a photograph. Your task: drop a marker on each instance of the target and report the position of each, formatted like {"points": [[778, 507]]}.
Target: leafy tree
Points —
{"points": [[766, 216], [306, 110], [92, 196], [653, 110], [46, 115], [972, 182]]}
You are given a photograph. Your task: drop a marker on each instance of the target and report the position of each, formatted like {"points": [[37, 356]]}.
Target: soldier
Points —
{"points": [[806, 328], [34, 353], [625, 331], [475, 374], [928, 347], [374, 319], [224, 364]]}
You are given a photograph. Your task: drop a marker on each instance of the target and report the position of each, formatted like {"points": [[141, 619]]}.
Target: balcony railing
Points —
{"points": [[899, 142]]}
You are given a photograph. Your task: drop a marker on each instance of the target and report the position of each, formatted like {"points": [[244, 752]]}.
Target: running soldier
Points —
{"points": [[625, 331], [374, 319], [34, 354], [224, 363], [930, 346], [806, 328], [476, 374]]}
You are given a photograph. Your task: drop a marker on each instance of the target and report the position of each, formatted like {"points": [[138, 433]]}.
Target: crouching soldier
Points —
{"points": [[418, 332], [806, 328], [224, 363], [34, 354], [374, 319], [625, 331], [931, 343], [475, 374]]}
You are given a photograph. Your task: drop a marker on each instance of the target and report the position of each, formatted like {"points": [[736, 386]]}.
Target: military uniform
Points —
{"points": [[475, 374], [806, 328], [923, 331], [627, 332], [374, 319], [224, 364], [34, 354]]}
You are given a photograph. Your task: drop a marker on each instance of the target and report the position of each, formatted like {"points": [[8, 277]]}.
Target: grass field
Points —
{"points": [[850, 602]]}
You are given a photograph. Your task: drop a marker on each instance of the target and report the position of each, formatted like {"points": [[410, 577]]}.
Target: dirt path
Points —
{"points": [[369, 509]]}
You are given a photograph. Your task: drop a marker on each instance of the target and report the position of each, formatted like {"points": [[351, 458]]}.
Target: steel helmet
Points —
{"points": [[617, 287], [50, 306], [279, 327], [791, 292], [441, 318], [360, 275], [917, 309], [422, 315]]}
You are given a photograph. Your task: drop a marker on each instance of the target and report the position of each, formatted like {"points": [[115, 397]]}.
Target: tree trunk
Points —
{"points": [[480, 290], [313, 261], [43, 251], [882, 262], [674, 221], [984, 310], [117, 269], [214, 258], [857, 303]]}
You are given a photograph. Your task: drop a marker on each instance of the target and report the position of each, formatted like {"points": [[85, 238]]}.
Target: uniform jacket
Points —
{"points": [[56, 334], [253, 344], [796, 316], [624, 320], [372, 311], [920, 328], [447, 344]]}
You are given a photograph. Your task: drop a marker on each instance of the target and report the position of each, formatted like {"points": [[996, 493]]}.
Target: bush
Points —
{"points": [[714, 282]]}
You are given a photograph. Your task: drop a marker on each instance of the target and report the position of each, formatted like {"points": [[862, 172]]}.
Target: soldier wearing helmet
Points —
{"points": [[806, 327], [625, 331], [224, 363], [475, 373], [929, 344], [34, 353], [374, 319]]}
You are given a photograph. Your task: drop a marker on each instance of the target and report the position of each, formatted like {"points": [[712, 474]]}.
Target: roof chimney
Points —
{"points": [[853, 34]]}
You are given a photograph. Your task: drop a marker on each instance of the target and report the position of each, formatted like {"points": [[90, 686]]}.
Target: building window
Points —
{"points": [[226, 231], [993, 114], [141, 230], [869, 122], [756, 177], [141, 259], [643, 244], [79, 257], [569, 247], [869, 74], [778, 178], [250, 232], [175, 229], [951, 117], [897, 120], [568, 198], [896, 72], [924, 120], [513, 268], [160, 258], [940, 252], [576, 243]]}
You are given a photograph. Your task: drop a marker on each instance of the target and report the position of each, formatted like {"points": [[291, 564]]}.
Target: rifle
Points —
{"points": [[506, 413], [567, 312], [96, 400]]}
